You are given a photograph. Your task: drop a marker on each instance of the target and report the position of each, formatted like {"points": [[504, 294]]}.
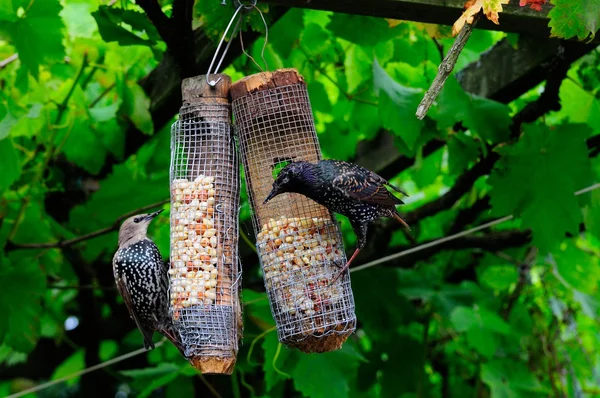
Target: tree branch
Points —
{"points": [[463, 184], [69, 242], [445, 68], [495, 241]]}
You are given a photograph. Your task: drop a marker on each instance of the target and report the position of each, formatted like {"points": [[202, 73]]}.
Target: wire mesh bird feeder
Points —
{"points": [[299, 242], [205, 186]]}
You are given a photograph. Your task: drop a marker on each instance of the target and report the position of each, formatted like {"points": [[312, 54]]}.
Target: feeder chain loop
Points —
{"points": [[247, 7]]}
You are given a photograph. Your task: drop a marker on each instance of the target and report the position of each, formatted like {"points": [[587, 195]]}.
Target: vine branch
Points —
{"points": [[445, 68], [69, 242]]}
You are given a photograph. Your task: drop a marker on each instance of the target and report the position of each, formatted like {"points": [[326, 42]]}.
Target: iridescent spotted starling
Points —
{"points": [[344, 188], [142, 279]]}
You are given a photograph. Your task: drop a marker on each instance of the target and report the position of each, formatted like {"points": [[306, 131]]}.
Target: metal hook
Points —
{"points": [[213, 83]]}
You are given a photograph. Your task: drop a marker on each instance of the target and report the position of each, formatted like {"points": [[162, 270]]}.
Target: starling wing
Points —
{"points": [[363, 185], [121, 281]]}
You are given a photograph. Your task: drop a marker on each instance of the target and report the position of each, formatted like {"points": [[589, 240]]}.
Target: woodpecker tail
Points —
{"points": [[171, 336]]}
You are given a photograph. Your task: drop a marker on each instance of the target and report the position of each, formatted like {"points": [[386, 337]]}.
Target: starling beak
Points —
{"points": [[274, 192], [344, 188]]}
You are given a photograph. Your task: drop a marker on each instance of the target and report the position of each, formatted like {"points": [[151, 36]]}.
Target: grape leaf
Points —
{"points": [[136, 105], [397, 106], [353, 28], [37, 35], [109, 21], [538, 165], [570, 18], [533, 4], [461, 150], [325, 375], [357, 65], [11, 164], [20, 302], [508, 378], [491, 8]]}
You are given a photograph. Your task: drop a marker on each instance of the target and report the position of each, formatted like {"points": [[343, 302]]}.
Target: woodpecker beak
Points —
{"points": [[273, 193], [150, 216]]}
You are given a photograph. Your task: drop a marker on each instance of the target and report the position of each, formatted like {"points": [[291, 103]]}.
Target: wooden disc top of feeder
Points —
{"points": [[264, 81]]}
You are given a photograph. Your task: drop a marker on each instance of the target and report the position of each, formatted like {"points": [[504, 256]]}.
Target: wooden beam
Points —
{"points": [[504, 73], [514, 18]]}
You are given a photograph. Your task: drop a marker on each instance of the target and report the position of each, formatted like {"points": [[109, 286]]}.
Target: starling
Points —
{"points": [[142, 279], [344, 188]]}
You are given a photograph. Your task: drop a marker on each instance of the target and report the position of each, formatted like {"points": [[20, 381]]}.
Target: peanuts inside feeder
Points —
{"points": [[204, 275], [299, 241]]}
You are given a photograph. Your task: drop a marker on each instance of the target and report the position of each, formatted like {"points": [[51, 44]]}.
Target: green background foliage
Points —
{"points": [[511, 312]]}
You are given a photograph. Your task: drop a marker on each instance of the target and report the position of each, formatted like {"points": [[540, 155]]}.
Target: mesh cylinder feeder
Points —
{"points": [[299, 241], [204, 274]]}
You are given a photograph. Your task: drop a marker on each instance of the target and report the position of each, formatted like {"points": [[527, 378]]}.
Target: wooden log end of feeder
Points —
{"points": [[196, 90], [264, 81], [214, 365], [320, 344]]}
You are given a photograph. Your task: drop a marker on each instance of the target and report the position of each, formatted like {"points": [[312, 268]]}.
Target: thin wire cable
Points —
{"points": [[359, 268], [101, 365], [451, 237], [262, 53], [430, 244]]}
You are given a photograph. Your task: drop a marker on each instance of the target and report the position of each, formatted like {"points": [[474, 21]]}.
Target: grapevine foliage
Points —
{"points": [[84, 138]]}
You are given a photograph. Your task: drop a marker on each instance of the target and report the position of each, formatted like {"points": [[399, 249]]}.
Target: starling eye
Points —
{"points": [[137, 220]]}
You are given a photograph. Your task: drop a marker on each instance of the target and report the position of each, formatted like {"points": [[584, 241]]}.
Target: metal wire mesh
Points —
{"points": [[299, 242], [205, 273]]}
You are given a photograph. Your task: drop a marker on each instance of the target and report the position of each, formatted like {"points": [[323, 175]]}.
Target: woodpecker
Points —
{"points": [[142, 279]]}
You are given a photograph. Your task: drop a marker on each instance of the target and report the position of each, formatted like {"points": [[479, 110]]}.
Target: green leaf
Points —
{"points": [[109, 21], [11, 165], [37, 36], [20, 302], [72, 364], [353, 28], [325, 375], [499, 277], [591, 213], [286, 31], [508, 378], [545, 200], [80, 143], [486, 118], [579, 269], [357, 65], [570, 18], [579, 105], [482, 340], [397, 106], [462, 149], [136, 105], [489, 119], [315, 40], [462, 318]]}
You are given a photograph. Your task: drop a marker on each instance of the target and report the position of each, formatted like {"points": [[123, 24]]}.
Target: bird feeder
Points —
{"points": [[299, 242], [204, 272]]}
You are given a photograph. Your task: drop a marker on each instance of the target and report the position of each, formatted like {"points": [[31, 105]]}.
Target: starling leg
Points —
{"points": [[345, 267]]}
